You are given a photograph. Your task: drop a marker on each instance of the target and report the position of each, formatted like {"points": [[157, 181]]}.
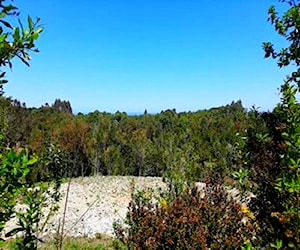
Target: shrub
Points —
{"points": [[188, 222], [271, 159]]}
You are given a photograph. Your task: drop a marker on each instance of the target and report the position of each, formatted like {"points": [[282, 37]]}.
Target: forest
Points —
{"points": [[256, 152], [117, 144]]}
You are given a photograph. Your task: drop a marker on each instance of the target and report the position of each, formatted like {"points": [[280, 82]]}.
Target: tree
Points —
{"points": [[18, 122], [288, 183], [15, 163], [62, 106], [16, 41], [287, 26]]}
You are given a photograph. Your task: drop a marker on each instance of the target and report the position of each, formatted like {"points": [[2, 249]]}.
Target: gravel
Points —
{"points": [[95, 203]]}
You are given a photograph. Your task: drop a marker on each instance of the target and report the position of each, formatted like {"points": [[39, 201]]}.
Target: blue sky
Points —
{"points": [[131, 55]]}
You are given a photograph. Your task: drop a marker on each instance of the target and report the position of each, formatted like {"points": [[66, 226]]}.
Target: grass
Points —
{"points": [[74, 243]]}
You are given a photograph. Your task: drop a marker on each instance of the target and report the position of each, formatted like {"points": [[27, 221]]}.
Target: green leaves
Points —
{"points": [[14, 188], [13, 172], [288, 26], [277, 244], [288, 183], [15, 165], [3, 37], [16, 34], [16, 41], [241, 175]]}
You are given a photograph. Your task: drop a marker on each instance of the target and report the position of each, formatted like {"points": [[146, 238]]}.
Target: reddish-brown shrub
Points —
{"points": [[188, 222]]}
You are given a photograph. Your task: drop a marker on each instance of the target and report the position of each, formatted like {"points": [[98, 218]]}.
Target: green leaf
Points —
{"points": [[30, 23], [34, 36], [32, 161], [3, 37], [16, 34], [2, 15], [9, 8], [39, 30], [25, 33], [11, 155]]}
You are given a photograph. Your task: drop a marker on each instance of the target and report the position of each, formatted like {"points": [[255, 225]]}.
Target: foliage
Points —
{"points": [[262, 165], [288, 183], [182, 147], [62, 106], [287, 26], [19, 197], [14, 167], [263, 155], [54, 165], [24, 200], [191, 145], [188, 222], [272, 150], [16, 41], [73, 243]]}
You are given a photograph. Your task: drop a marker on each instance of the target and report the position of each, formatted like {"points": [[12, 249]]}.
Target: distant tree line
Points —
{"points": [[198, 143]]}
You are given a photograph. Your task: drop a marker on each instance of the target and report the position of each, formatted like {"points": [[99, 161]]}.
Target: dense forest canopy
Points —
{"points": [[142, 145], [119, 144]]}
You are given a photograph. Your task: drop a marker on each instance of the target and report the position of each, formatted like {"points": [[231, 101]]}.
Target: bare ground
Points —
{"points": [[95, 203]]}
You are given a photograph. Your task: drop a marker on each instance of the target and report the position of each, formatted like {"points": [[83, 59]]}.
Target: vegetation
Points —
{"points": [[190, 221], [118, 144], [78, 243], [15, 162], [16, 41], [256, 152]]}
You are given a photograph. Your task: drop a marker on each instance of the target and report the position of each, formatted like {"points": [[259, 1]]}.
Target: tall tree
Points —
{"points": [[62, 106]]}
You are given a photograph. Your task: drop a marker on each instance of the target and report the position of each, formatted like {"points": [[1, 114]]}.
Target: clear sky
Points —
{"points": [[132, 55]]}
